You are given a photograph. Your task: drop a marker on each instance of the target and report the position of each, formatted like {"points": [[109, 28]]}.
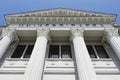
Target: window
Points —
{"points": [[47, 24], [94, 24], [72, 24], [40, 24], [54, 51], [60, 51], [97, 51], [66, 51], [101, 25], [22, 51], [1, 37], [101, 51], [87, 24], [61, 24], [54, 24], [91, 51], [80, 24], [28, 51]]}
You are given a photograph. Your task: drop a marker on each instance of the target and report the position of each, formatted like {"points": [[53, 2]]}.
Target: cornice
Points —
{"points": [[60, 15], [60, 20]]}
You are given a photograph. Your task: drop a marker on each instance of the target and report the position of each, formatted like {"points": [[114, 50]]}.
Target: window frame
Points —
{"points": [[22, 56], [60, 54], [97, 55]]}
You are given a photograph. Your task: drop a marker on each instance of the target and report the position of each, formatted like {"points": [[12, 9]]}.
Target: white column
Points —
{"points": [[8, 37], [35, 66], [113, 39], [84, 65]]}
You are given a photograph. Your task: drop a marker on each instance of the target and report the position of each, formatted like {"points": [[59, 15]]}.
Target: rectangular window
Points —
{"points": [[66, 51], [60, 51], [18, 51], [101, 51], [28, 51], [54, 51], [91, 51], [21, 50], [97, 51]]}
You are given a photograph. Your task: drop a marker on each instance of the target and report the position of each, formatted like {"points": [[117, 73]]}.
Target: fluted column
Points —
{"points": [[35, 66], [113, 39], [7, 38], [84, 65]]}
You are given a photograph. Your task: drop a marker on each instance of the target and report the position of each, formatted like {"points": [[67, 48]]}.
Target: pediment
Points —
{"points": [[60, 13]]}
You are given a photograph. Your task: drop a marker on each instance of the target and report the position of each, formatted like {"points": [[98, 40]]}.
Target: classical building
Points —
{"points": [[60, 44]]}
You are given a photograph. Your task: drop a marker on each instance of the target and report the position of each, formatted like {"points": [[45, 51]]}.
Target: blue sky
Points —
{"points": [[16, 6]]}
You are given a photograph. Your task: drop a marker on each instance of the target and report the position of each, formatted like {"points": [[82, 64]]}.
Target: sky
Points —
{"points": [[17, 6]]}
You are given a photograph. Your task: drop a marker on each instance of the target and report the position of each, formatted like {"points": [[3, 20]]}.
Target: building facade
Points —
{"points": [[60, 44]]}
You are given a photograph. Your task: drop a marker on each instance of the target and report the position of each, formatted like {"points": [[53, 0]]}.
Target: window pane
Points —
{"points": [[66, 51], [18, 51], [91, 51], [101, 51], [54, 51], [28, 51]]}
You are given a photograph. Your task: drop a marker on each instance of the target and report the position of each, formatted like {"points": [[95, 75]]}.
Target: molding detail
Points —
{"points": [[110, 33], [43, 32], [9, 32], [76, 32]]}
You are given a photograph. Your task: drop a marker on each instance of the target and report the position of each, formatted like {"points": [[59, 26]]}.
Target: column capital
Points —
{"points": [[43, 32], [108, 33], [11, 33], [76, 32]]}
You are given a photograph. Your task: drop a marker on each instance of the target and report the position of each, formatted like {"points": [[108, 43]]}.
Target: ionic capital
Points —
{"points": [[43, 32], [76, 33]]}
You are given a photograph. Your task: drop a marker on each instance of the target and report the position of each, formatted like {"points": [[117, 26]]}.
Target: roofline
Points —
{"points": [[61, 8]]}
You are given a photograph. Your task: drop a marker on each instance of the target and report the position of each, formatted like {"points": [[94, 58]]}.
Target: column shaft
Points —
{"points": [[115, 44], [84, 65], [6, 40], [113, 39], [35, 66]]}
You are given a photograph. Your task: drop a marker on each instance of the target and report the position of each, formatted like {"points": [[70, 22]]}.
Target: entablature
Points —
{"points": [[61, 16], [61, 20]]}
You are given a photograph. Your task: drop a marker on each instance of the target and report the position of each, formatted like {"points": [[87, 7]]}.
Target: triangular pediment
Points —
{"points": [[60, 13]]}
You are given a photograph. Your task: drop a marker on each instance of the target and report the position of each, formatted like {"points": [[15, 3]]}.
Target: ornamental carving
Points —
{"points": [[110, 33], [76, 32], [43, 32], [11, 33]]}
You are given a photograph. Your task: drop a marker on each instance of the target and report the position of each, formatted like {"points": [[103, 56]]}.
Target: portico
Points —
{"points": [[60, 44]]}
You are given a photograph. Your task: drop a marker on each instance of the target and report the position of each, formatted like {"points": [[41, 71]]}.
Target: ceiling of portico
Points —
{"points": [[61, 35]]}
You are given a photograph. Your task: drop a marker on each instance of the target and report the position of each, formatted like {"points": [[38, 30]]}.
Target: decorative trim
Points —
{"points": [[9, 33], [59, 20], [43, 32], [109, 33], [76, 32]]}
